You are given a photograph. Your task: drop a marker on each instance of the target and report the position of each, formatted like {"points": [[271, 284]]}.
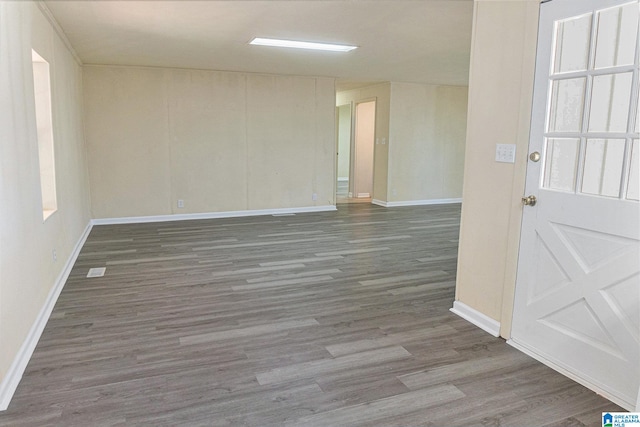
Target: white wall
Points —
{"points": [[28, 272], [500, 93], [220, 141], [426, 142]]}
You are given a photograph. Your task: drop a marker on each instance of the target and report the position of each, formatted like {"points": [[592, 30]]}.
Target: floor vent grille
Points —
{"points": [[96, 272]]}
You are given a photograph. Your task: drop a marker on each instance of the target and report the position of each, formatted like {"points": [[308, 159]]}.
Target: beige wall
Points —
{"points": [[426, 141], [220, 141], [381, 93], [500, 93], [27, 269]]}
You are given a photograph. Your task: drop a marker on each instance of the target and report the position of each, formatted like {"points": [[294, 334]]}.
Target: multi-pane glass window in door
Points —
{"points": [[592, 125]]}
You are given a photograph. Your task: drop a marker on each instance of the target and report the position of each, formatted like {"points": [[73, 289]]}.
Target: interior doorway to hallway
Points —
{"points": [[355, 149], [343, 164]]}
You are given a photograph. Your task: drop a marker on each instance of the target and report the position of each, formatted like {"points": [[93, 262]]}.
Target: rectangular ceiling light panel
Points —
{"points": [[301, 45]]}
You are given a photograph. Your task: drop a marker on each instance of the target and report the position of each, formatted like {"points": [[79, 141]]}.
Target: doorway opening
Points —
{"points": [[343, 167], [356, 141]]}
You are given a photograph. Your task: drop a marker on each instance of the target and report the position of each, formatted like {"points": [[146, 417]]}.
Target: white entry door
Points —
{"points": [[577, 305]]}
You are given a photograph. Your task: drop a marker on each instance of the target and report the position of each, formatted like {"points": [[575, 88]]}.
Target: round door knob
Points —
{"points": [[529, 200], [535, 156]]}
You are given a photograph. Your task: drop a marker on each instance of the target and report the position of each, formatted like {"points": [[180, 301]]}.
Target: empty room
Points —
{"points": [[327, 212]]}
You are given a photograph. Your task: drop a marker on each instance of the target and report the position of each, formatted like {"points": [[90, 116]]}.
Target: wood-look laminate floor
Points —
{"points": [[330, 319]]}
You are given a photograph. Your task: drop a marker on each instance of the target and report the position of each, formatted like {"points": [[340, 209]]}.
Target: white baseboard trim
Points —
{"points": [[16, 370], [415, 202], [627, 403], [363, 195], [474, 316], [211, 215], [343, 179], [423, 202]]}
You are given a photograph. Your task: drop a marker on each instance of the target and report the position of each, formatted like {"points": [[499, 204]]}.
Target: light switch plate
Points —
{"points": [[506, 153]]}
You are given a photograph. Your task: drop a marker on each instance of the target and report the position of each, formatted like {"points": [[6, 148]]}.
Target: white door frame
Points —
{"points": [[336, 165]]}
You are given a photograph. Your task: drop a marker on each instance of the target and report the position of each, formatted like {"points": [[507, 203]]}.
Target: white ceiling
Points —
{"points": [[424, 41]]}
